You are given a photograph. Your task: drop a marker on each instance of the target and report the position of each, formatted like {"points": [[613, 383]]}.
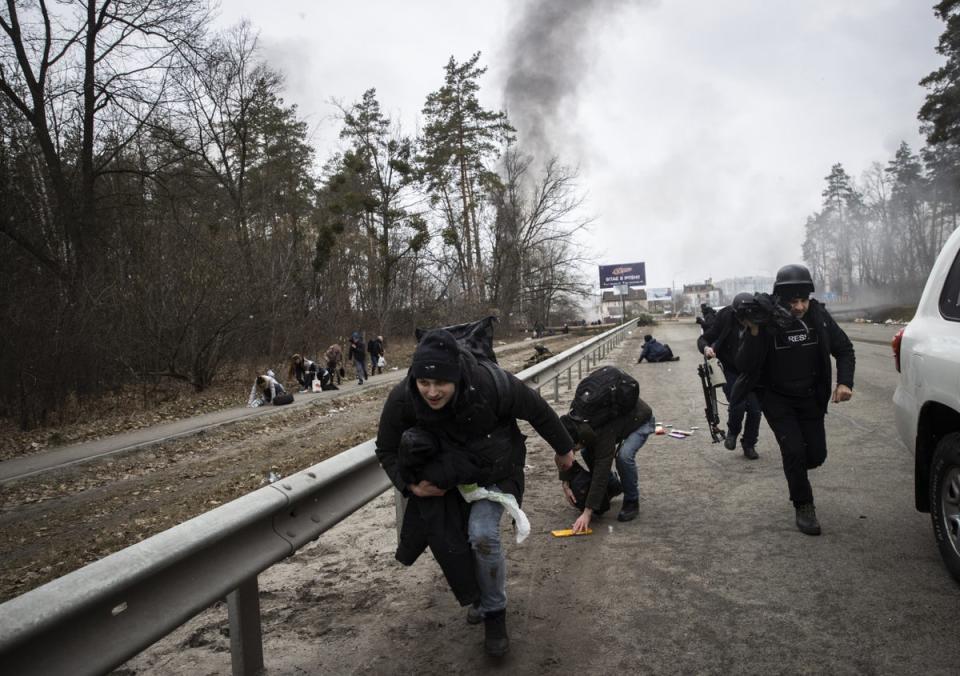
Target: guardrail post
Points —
{"points": [[246, 640], [556, 389]]}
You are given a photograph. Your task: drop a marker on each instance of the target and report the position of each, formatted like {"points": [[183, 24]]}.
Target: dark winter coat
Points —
{"points": [[306, 371], [375, 348], [357, 351], [477, 421], [654, 351], [603, 449], [438, 522], [755, 352], [723, 335]]}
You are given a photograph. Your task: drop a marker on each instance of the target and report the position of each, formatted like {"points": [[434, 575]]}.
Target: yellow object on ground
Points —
{"points": [[567, 532]]}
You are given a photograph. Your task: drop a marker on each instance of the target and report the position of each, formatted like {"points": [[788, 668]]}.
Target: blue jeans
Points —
{"points": [[627, 461], [750, 406], [484, 532], [360, 365]]}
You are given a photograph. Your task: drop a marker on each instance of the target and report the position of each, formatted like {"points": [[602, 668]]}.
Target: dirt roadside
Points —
{"points": [[56, 522]]}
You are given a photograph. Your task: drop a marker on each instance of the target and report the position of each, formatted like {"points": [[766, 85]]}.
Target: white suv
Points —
{"points": [[927, 400]]}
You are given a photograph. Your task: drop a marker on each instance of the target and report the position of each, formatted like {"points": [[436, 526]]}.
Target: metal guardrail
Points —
{"points": [[95, 618]]}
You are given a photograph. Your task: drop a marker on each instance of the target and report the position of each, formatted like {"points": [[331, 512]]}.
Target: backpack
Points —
{"points": [[476, 338], [283, 399], [604, 395]]}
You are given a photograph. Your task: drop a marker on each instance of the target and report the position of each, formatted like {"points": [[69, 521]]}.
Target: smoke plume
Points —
{"points": [[548, 57]]}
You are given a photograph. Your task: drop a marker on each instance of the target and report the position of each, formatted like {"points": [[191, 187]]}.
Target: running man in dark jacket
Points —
{"points": [[450, 394], [791, 372]]}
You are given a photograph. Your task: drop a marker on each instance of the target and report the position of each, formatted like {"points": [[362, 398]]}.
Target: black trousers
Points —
{"points": [[797, 423]]}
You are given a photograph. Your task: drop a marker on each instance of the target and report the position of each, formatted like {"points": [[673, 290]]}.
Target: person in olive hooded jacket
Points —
{"points": [[458, 399]]}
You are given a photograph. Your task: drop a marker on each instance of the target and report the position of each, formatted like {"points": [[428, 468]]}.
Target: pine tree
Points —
{"points": [[460, 141]]}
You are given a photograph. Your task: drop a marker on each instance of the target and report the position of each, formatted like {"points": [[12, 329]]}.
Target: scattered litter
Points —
{"points": [[685, 433], [610, 528], [567, 532], [677, 435], [273, 477]]}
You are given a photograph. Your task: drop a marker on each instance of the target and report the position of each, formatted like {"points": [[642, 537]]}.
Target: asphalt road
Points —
{"points": [[712, 578]]}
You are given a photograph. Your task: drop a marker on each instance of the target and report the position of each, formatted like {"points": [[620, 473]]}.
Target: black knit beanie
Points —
{"points": [[437, 357]]}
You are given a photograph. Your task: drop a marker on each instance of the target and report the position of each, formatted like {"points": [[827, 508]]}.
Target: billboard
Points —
{"points": [[660, 293], [634, 274]]}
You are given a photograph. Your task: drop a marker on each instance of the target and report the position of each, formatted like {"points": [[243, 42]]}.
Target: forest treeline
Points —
{"points": [[877, 237], [163, 213]]}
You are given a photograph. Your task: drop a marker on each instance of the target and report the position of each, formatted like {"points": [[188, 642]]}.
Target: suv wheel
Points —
{"points": [[945, 501]]}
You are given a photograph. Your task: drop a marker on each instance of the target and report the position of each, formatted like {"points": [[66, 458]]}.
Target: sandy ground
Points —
{"points": [[58, 521], [711, 578]]}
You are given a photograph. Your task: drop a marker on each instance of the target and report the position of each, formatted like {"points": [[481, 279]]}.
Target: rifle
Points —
{"points": [[711, 379]]}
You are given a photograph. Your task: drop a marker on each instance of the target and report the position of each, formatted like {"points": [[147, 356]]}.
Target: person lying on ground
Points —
{"points": [[654, 351]]}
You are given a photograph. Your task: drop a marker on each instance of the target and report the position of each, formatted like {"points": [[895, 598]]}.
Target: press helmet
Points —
{"points": [[739, 299], [793, 281]]}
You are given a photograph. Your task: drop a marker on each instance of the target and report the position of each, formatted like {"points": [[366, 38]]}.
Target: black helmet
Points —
{"points": [[793, 281], [739, 299]]}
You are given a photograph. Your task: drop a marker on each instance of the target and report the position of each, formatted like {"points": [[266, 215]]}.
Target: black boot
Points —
{"points": [[807, 519], [750, 453], [474, 614], [629, 510], [495, 640], [730, 441]]}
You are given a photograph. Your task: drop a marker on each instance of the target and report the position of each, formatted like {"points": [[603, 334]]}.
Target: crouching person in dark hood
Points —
{"points": [[472, 408], [614, 442]]}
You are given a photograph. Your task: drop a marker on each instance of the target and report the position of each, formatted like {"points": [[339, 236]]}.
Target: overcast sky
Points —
{"points": [[703, 130]]}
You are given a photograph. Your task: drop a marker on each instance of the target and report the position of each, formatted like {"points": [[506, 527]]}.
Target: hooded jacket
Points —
{"points": [[753, 356], [654, 351], [723, 335], [603, 445], [475, 420]]}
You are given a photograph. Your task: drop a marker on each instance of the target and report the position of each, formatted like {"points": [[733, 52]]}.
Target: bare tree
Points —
{"points": [[87, 75], [535, 252]]}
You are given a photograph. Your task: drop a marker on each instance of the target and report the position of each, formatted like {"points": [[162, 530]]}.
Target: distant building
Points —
{"points": [[635, 302], [734, 285], [696, 294]]}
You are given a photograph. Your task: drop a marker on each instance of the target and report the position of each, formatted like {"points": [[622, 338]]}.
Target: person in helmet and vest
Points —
{"points": [[448, 393], [790, 370], [720, 340]]}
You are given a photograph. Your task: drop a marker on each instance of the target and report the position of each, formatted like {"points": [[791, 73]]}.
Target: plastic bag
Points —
{"points": [[381, 362], [316, 385]]}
